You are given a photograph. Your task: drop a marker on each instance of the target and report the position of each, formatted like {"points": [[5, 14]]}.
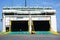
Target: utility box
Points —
{"points": [[29, 19]]}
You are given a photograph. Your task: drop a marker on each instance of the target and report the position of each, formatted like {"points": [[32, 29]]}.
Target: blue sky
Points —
{"points": [[41, 3]]}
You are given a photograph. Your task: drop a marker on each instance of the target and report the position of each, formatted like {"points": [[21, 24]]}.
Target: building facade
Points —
{"points": [[30, 19]]}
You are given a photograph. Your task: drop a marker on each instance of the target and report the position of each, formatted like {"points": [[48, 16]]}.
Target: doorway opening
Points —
{"points": [[41, 25], [19, 26], [7, 29]]}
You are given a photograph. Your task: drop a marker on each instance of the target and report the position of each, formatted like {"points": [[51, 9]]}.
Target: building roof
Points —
{"points": [[27, 10]]}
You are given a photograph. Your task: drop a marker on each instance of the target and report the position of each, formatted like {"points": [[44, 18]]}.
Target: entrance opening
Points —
{"points": [[41, 25], [7, 29], [18, 26]]}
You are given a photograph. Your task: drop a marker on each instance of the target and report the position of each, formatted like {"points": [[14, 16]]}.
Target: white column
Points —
{"points": [[30, 23], [53, 23], [4, 29]]}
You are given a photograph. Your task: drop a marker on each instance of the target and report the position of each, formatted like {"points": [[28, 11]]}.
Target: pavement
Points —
{"points": [[29, 37]]}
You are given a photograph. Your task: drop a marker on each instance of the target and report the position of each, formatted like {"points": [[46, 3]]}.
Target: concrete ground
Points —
{"points": [[29, 37]]}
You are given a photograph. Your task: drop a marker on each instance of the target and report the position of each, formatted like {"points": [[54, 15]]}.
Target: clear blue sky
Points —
{"points": [[42, 3]]}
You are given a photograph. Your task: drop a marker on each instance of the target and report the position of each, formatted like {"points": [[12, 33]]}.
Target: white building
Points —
{"points": [[29, 19]]}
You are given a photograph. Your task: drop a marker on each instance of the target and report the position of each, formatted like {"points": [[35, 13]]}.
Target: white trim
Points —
{"points": [[27, 12]]}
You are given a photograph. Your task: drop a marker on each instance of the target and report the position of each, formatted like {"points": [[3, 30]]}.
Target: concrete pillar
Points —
{"points": [[30, 23], [4, 29], [53, 23]]}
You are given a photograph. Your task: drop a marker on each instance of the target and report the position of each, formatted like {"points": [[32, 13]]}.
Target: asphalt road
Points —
{"points": [[29, 37]]}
